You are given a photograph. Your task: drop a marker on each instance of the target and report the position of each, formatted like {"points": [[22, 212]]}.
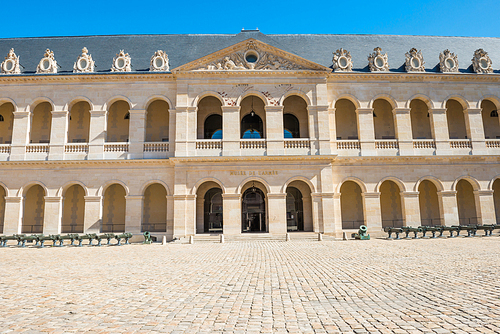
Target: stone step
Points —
{"points": [[244, 237]]}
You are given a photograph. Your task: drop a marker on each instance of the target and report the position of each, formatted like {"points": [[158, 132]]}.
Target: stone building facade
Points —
{"points": [[248, 133]]}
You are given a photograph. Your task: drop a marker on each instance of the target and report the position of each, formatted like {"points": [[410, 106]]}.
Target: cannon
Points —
{"points": [[487, 228], [147, 238], [40, 238], [61, 238], [125, 236], [107, 236], [432, 229], [5, 238], [89, 237], [29, 238], [395, 230], [409, 229], [450, 229], [471, 229], [361, 235]]}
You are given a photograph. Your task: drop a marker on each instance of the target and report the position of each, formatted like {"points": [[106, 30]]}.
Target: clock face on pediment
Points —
{"points": [[251, 55]]}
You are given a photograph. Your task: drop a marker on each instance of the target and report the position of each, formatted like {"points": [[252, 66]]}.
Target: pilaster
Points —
{"points": [[373, 213], [97, 134], [172, 121], [274, 130], [58, 133], [333, 130], [411, 208], [440, 133], [137, 133], [12, 216], [231, 214], [133, 213], [230, 131], [475, 130], [366, 131], [52, 215], [185, 131], [317, 217], [20, 135], [328, 205], [485, 206], [277, 213], [337, 214], [404, 135], [93, 211], [448, 198], [319, 129]]}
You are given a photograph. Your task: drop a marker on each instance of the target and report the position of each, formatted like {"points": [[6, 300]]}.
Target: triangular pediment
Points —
{"points": [[251, 55]]}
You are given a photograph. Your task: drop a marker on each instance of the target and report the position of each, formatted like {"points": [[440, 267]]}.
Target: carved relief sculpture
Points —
{"points": [[448, 62], [48, 64], [159, 62], [11, 64], [481, 62], [342, 61], [414, 61], [121, 63], [84, 63], [252, 58], [377, 61]]}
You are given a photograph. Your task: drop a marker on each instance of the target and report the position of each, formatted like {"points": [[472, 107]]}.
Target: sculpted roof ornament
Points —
{"points": [[481, 62], [251, 55], [47, 64], [159, 62], [84, 63], [414, 61], [342, 61], [448, 62], [377, 61], [121, 63], [11, 64]]}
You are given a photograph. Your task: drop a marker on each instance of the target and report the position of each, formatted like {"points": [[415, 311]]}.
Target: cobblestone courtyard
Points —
{"points": [[406, 286]]}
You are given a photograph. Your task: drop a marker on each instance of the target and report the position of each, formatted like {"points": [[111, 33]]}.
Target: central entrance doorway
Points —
{"points": [[253, 211], [294, 210], [213, 211]]}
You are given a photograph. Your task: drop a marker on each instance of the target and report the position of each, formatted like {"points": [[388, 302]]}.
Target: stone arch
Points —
{"points": [[495, 187], [352, 206], [349, 97], [36, 101], [114, 206], [295, 108], [7, 114], [208, 117], [102, 189], [207, 93], [33, 201], [73, 208], [254, 205], [492, 98], [391, 202], [62, 190], [468, 205], [459, 98], [150, 182], [77, 99], [255, 93], [79, 115], [154, 207], [22, 191], [209, 206], [421, 127], [299, 215], [157, 121], [384, 125], [385, 97], [304, 179], [400, 183], [114, 99], [5, 188], [490, 184], [475, 183], [296, 92], [360, 183], [439, 185], [207, 179], [346, 119], [422, 97], [250, 179], [118, 121], [40, 129], [4, 100], [157, 97], [430, 204]]}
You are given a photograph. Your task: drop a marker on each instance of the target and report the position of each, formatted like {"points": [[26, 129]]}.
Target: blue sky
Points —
{"points": [[410, 17]]}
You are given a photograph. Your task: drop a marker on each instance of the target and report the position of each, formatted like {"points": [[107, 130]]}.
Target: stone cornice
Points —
{"points": [[431, 159], [219, 159], [86, 163], [411, 77], [84, 78]]}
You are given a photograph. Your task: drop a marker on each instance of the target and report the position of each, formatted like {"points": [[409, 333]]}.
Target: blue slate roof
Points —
{"points": [[182, 49]]}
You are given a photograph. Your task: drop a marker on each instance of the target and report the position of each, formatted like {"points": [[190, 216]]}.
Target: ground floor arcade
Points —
{"points": [[182, 197]]}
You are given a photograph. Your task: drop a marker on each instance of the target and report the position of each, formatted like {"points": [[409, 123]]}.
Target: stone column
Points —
{"points": [[475, 130], [274, 130], [58, 134], [97, 134], [333, 131], [92, 220], [52, 215], [277, 213], [20, 135], [200, 215], [317, 217], [13, 214], [172, 119], [230, 131], [448, 199], [373, 213], [366, 131], [133, 213], [404, 134], [337, 215], [319, 129], [485, 207], [308, 214], [411, 208], [170, 216], [137, 133], [231, 214], [329, 219], [190, 214], [185, 131], [439, 129]]}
